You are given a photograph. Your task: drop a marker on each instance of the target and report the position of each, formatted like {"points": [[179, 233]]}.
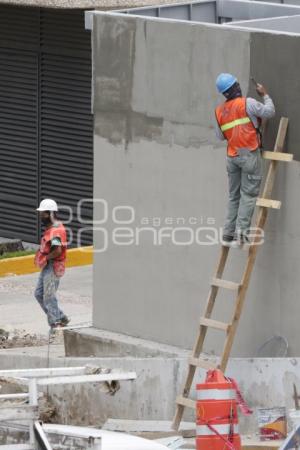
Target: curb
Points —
{"points": [[22, 265]]}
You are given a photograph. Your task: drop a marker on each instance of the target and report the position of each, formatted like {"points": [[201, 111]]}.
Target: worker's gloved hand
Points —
{"points": [[40, 260], [261, 90]]}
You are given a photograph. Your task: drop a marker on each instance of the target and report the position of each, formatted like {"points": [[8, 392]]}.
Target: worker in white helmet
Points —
{"points": [[51, 258]]}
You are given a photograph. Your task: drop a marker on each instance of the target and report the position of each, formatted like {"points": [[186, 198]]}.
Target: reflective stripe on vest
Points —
{"points": [[204, 430], [236, 126], [216, 394], [235, 123]]}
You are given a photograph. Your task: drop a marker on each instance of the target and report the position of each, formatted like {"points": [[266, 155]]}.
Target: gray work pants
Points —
{"points": [[244, 176]]}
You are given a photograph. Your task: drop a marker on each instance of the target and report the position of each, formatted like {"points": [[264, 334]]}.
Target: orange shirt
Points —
{"points": [[56, 231]]}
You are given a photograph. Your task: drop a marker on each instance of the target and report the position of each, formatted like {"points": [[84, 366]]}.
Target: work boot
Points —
{"points": [[64, 321], [227, 240], [55, 326], [239, 240]]}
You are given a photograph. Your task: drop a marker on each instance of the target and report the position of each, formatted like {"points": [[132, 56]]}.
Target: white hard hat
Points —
{"points": [[48, 205]]}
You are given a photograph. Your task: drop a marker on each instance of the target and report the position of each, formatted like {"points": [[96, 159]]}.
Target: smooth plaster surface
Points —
{"points": [[156, 151], [274, 60]]}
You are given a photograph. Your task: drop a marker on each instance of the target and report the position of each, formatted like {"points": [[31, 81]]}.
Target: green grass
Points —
{"points": [[16, 254]]}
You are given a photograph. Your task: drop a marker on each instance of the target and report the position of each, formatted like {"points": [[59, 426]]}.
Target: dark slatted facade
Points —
{"points": [[46, 127]]}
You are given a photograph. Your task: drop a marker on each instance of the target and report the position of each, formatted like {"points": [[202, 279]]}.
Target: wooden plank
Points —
{"points": [[256, 444], [117, 376], [198, 346], [183, 401], [216, 324], [37, 373], [225, 284], [20, 412], [268, 203], [270, 179], [202, 363], [278, 156]]}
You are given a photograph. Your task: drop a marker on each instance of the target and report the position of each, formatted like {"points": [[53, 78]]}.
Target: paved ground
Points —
{"points": [[19, 309]]}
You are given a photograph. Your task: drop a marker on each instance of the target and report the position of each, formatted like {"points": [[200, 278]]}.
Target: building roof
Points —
{"points": [[86, 4]]}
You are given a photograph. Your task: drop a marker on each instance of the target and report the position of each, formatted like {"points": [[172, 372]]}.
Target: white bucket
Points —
{"points": [[294, 416]]}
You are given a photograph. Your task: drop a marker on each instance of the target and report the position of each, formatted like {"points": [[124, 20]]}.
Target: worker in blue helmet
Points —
{"points": [[239, 119], [225, 81]]}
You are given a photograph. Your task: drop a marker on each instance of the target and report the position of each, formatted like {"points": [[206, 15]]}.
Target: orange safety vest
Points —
{"points": [[237, 126], [57, 230]]}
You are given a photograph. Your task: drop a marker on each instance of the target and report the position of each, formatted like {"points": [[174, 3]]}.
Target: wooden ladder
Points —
{"points": [[240, 289]]}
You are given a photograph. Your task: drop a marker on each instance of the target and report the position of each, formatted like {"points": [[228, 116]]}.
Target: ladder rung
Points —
{"points": [[202, 363], [278, 156], [214, 324], [225, 284], [186, 402], [268, 203]]}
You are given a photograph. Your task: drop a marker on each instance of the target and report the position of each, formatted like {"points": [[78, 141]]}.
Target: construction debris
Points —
{"points": [[26, 404], [20, 338], [47, 410], [108, 387], [8, 386], [3, 335]]}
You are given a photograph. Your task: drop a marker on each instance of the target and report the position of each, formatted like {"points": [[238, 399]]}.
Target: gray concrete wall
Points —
{"points": [[156, 151], [273, 61]]}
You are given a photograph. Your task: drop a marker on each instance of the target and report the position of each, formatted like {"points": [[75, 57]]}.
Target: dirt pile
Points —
{"points": [[20, 338]]}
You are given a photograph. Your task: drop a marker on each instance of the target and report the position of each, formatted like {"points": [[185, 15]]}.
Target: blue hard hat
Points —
{"points": [[225, 81]]}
